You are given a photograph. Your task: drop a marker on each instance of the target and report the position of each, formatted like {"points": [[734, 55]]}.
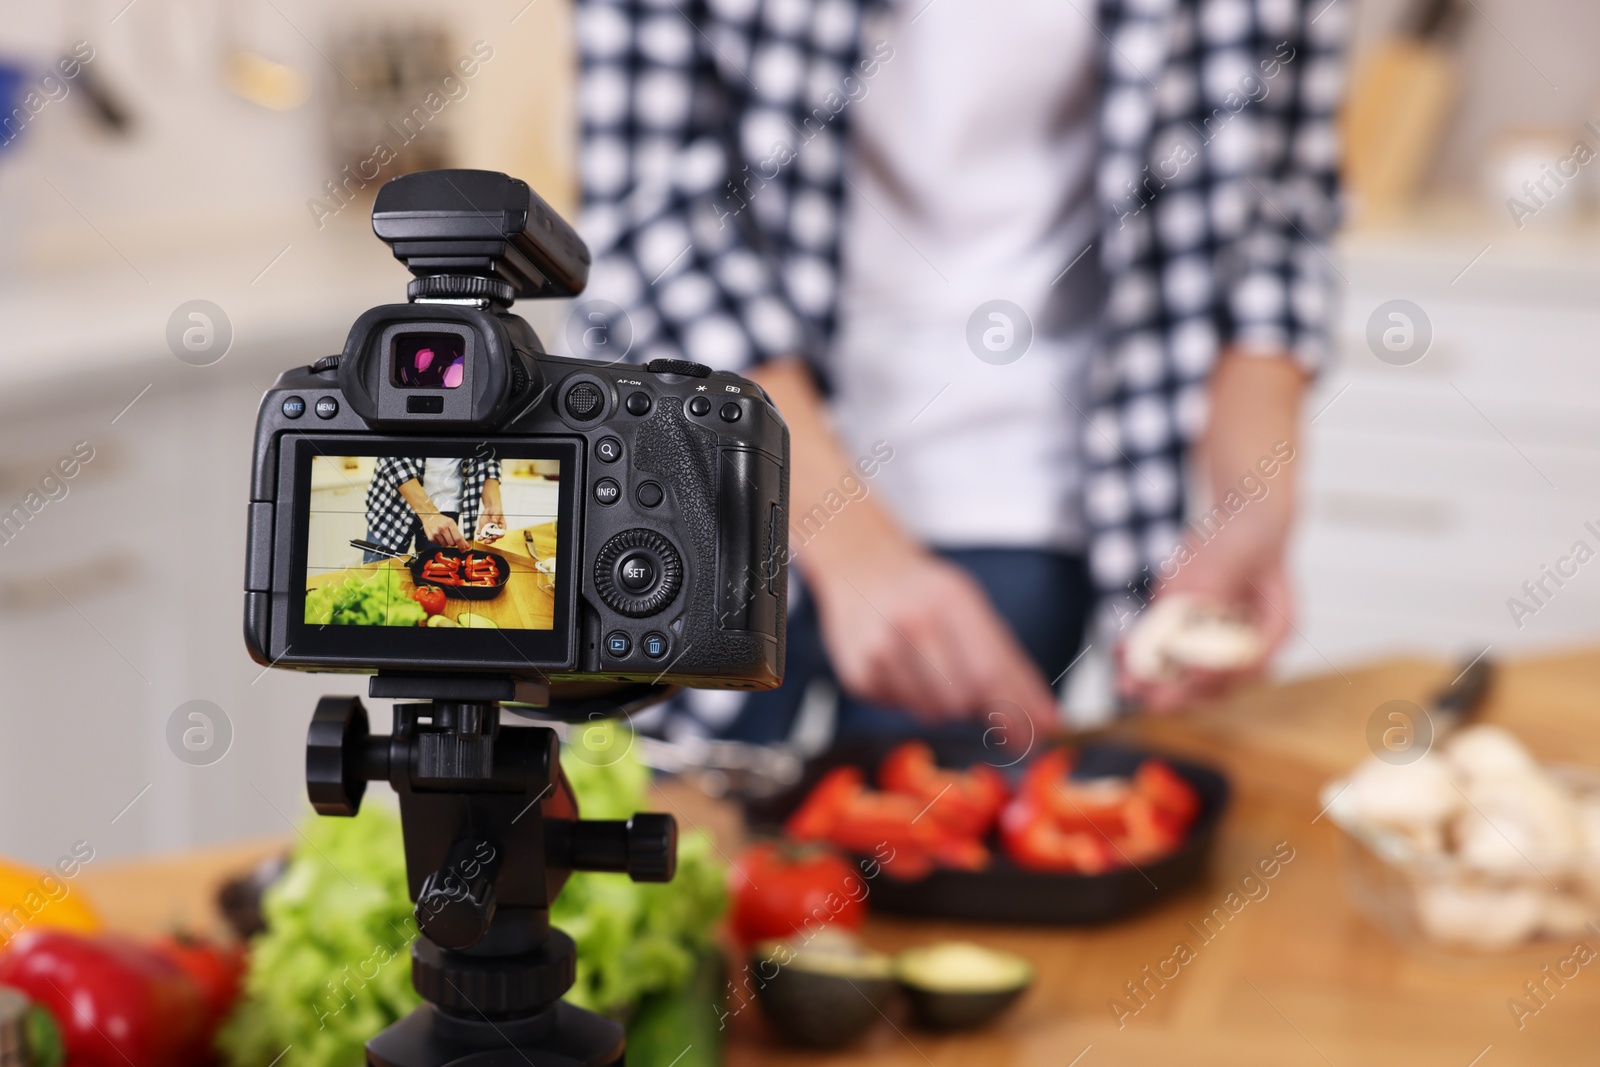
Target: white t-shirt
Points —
{"points": [[441, 480], [971, 180]]}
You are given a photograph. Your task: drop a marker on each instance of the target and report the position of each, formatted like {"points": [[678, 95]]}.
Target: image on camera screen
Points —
{"points": [[444, 542]]}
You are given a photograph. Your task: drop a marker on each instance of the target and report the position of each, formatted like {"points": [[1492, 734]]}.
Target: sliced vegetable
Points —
{"points": [[967, 802], [1089, 826], [824, 991], [962, 967], [956, 985], [887, 826]]}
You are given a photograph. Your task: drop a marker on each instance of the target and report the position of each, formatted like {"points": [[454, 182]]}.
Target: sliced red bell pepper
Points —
{"points": [[814, 819], [966, 802], [1167, 790], [1035, 840]]}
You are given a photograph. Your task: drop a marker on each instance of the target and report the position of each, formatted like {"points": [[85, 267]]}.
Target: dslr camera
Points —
{"points": [[446, 500]]}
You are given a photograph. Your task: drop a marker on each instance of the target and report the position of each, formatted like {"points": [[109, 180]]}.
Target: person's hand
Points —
{"points": [[1248, 454], [442, 530], [1267, 603], [490, 515], [905, 628], [1239, 571]]}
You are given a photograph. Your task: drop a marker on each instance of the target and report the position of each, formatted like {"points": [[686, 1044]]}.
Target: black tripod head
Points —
{"points": [[491, 833]]}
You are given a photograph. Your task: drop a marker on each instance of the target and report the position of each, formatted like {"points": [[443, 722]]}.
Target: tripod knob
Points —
{"points": [[645, 848], [335, 745], [456, 904], [652, 847]]}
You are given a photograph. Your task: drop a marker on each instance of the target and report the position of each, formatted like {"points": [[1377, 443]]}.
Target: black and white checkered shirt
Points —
{"points": [[390, 520], [713, 141]]}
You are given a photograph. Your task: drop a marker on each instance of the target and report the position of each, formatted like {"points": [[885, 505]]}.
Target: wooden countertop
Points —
{"points": [[526, 603], [1297, 977]]}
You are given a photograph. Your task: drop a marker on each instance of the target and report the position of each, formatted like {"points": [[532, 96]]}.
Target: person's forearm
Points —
{"points": [[417, 499], [1255, 421], [817, 467], [491, 495]]}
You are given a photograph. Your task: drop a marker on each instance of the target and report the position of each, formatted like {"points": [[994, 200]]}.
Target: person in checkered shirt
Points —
{"points": [[418, 505], [1036, 284]]}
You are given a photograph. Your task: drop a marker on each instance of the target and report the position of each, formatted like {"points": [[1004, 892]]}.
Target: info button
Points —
{"points": [[606, 491]]}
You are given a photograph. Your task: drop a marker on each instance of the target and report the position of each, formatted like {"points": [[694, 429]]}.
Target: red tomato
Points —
{"points": [[218, 970], [118, 1003], [431, 597], [780, 889]]}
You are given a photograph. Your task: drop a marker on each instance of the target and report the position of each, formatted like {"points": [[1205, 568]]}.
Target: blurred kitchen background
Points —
{"points": [[181, 162]]}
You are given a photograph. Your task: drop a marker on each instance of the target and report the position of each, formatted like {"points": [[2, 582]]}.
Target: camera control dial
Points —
{"points": [[637, 573]]}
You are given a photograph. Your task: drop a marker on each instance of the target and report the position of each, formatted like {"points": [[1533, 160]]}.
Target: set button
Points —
{"points": [[636, 572], [648, 494]]}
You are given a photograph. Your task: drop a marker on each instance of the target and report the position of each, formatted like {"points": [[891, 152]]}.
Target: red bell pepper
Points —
{"points": [[1034, 839], [889, 827], [1166, 790], [966, 802], [118, 1003]]}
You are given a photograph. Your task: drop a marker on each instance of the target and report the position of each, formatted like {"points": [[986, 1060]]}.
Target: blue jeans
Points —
{"points": [[1044, 596]]}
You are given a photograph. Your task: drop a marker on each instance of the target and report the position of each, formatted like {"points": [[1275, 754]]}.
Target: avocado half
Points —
{"points": [[824, 992], [956, 985]]}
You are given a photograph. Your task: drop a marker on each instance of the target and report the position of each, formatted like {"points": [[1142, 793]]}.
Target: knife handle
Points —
{"points": [[1460, 700]]}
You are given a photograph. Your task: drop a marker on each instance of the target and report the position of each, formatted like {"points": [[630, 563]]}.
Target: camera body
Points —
{"points": [[446, 498]]}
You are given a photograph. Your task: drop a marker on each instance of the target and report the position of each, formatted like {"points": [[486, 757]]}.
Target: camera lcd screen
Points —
{"points": [[429, 360], [431, 541]]}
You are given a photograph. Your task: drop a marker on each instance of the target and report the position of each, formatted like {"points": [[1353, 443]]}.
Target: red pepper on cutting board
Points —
{"points": [[118, 1003]]}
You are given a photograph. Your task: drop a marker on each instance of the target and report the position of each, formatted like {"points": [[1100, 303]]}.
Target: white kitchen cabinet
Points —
{"points": [[1434, 491]]}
